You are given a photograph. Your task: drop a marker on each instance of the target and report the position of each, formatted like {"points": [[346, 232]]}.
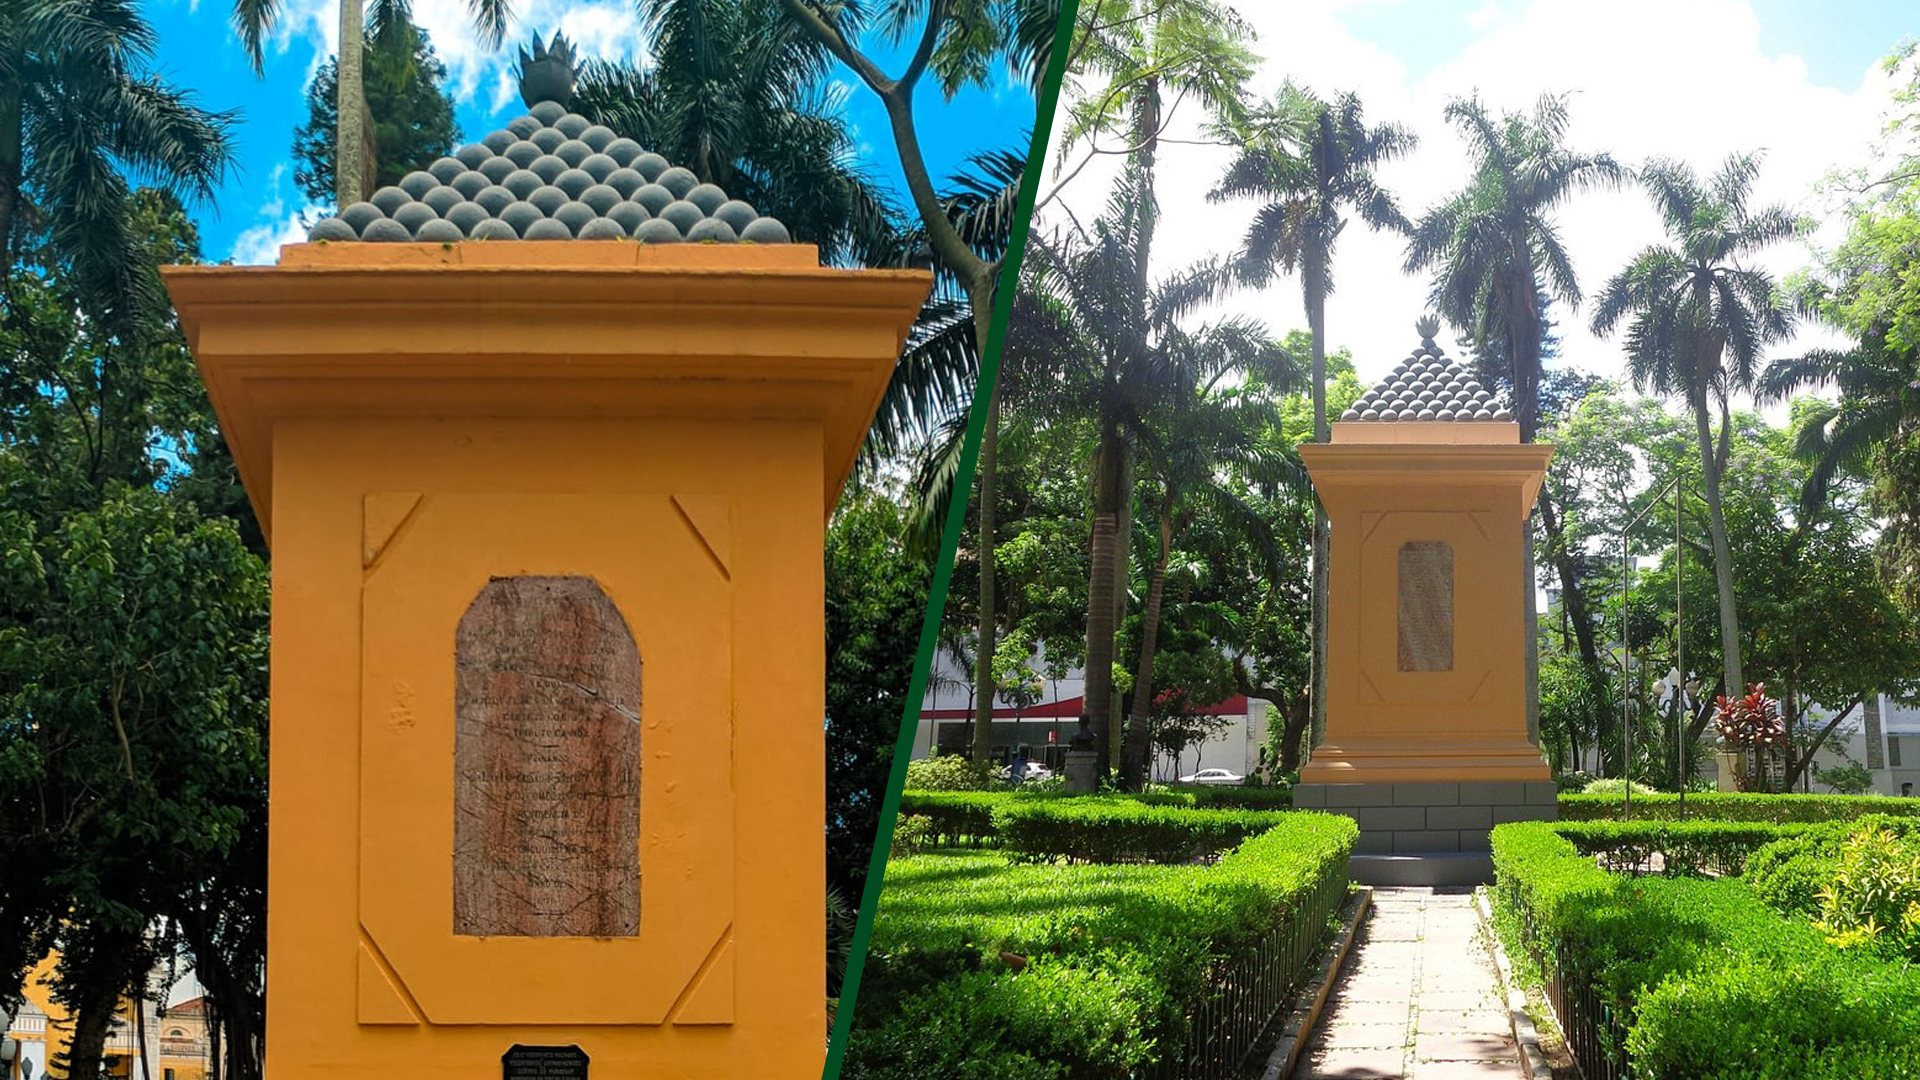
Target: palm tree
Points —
{"points": [[1117, 352], [1199, 428], [1697, 320], [79, 114], [1151, 57], [736, 92], [1492, 247], [255, 19], [1312, 162]]}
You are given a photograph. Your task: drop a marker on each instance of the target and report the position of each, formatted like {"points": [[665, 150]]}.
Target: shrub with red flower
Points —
{"points": [[1752, 722]]}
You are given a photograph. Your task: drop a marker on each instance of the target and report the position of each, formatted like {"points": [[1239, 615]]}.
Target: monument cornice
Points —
{"points": [[544, 329]]}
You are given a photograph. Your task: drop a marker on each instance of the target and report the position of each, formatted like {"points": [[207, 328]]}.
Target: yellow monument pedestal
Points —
{"points": [[548, 674], [1426, 736]]}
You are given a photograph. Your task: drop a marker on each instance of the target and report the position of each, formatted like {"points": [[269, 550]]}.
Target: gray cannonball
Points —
{"points": [[360, 215], [684, 216], [547, 139], [679, 181], [415, 214], [389, 199], [766, 230], [547, 112], [445, 169], [708, 197], [650, 166], [575, 216], [601, 229], [622, 151], [495, 199], [332, 229], [573, 152], [523, 153], [712, 230], [652, 196], [657, 231], [469, 184], [573, 182], [738, 215], [472, 156], [386, 231], [496, 169], [443, 199], [523, 182], [597, 136], [601, 197], [548, 168], [625, 181], [548, 200], [547, 229], [439, 231], [498, 141], [522, 216], [418, 182], [467, 216], [494, 229], [572, 125], [599, 166], [630, 215], [523, 127]]}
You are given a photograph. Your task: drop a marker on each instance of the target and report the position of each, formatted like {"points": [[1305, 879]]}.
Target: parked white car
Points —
{"points": [[1213, 776], [1035, 771]]}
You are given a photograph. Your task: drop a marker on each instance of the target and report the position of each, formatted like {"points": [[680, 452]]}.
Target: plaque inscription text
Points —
{"points": [[546, 838]]}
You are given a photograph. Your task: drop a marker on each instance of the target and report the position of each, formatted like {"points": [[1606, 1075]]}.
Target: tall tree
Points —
{"points": [[1312, 162], [253, 20], [1492, 245], [79, 110], [1198, 430], [413, 114], [1698, 318], [1148, 57], [738, 93]]}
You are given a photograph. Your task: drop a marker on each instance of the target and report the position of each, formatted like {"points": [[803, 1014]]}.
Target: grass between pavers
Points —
{"points": [[986, 970], [1713, 983]]}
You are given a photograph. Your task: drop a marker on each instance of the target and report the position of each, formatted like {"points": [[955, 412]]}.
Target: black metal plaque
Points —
{"points": [[543, 1063]]}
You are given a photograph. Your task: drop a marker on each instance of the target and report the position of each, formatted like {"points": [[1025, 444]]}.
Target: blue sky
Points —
{"points": [[258, 207]]}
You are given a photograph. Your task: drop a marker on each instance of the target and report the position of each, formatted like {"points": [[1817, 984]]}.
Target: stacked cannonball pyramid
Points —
{"points": [[1427, 386], [552, 175]]}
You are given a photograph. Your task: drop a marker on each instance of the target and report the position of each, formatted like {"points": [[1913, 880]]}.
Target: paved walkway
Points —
{"points": [[1417, 999]]}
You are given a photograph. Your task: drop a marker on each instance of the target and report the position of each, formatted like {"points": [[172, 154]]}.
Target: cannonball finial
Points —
{"points": [[1427, 326], [546, 73]]}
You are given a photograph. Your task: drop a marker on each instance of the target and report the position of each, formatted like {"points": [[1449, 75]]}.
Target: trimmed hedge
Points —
{"points": [[966, 817], [989, 971], [1686, 847], [1735, 806], [1712, 983], [1096, 829], [1787, 875]]}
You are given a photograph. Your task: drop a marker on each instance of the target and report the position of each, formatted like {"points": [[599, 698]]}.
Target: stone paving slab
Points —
{"points": [[1417, 999]]}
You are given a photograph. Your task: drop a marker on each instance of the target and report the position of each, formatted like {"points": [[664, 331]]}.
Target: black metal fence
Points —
{"points": [[1595, 1031], [1250, 993]]}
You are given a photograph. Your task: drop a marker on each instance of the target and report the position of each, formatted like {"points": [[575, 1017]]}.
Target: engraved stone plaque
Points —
{"points": [[543, 1063], [546, 839], [1426, 606]]}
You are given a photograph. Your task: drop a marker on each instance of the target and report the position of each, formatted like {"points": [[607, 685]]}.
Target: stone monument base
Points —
{"points": [[1427, 832]]}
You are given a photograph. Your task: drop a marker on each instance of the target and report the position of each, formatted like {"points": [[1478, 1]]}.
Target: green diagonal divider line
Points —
{"points": [[956, 515]]}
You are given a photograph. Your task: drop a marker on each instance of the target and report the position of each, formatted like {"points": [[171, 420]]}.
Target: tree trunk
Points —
{"points": [[12, 158], [1122, 579], [1099, 663], [1722, 556], [983, 687], [1135, 748], [1314, 281], [1799, 765], [92, 1020], [1573, 599], [350, 157]]}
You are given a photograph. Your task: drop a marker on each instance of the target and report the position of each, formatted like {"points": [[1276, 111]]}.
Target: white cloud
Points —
{"points": [[260, 244], [1485, 15], [1698, 90], [602, 29]]}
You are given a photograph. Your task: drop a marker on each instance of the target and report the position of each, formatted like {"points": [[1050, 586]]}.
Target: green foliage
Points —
{"points": [[1616, 787], [1108, 830], [412, 114], [1872, 895], [912, 834], [951, 772], [1788, 874], [1710, 981], [1851, 778], [876, 599], [1737, 806], [1080, 972], [1684, 847], [957, 817]]}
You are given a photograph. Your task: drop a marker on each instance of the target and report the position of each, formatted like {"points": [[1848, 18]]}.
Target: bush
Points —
{"points": [[912, 834], [951, 772], [958, 817], [1276, 796], [1617, 787], [1872, 896], [1734, 806], [1711, 982], [991, 971], [1685, 847], [1108, 830], [1788, 874]]}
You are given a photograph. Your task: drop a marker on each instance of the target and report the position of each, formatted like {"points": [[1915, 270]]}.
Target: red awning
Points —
{"points": [[1071, 708]]}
